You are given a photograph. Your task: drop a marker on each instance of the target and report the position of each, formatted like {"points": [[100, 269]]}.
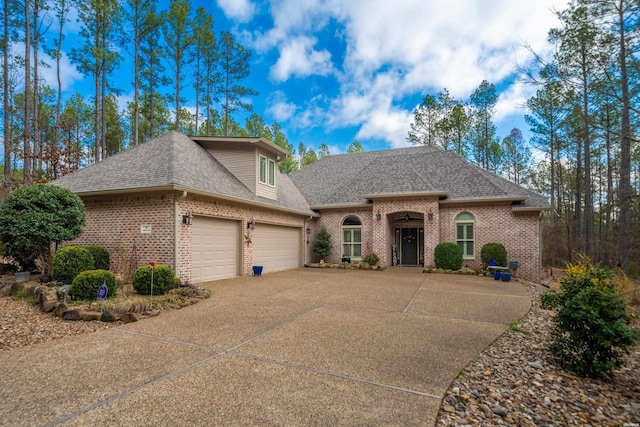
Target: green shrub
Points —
{"points": [[69, 261], [34, 216], [322, 244], [87, 283], [100, 256], [591, 330], [494, 251], [371, 259], [448, 256], [163, 279]]}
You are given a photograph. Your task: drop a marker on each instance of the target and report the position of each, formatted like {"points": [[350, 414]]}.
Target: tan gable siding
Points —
{"points": [[518, 232], [265, 190], [240, 160]]}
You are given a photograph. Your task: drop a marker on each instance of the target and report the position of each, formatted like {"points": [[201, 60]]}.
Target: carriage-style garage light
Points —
{"points": [[430, 215], [308, 231], [186, 218], [250, 224]]}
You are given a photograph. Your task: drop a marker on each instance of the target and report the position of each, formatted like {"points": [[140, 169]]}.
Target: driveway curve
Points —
{"points": [[301, 347]]}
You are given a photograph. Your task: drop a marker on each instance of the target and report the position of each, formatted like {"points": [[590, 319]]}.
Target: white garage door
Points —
{"points": [[215, 251], [276, 247]]}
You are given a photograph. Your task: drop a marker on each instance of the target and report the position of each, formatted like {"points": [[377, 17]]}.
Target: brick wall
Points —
{"points": [[519, 232], [204, 206], [115, 221]]}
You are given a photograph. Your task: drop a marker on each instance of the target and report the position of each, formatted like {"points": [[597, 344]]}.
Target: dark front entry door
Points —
{"points": [[410, 239]]}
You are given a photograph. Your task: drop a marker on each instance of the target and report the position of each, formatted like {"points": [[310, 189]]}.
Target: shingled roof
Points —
{"points": [[175, 162], [355, 179]]}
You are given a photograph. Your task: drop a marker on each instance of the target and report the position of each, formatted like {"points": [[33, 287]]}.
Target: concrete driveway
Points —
{"points": [[303, 347]]}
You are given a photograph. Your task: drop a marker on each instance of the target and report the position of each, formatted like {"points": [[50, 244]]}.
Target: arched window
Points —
{"points": [[352, 238], [465, 234]]}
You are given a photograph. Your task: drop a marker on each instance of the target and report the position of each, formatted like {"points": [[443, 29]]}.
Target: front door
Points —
{"points": [[409, 255]]}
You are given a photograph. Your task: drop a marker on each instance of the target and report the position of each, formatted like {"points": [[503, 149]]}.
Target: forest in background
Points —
{"points": [[584, 154]]}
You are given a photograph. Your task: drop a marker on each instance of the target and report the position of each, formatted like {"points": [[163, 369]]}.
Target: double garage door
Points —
{"points": [[216, 248]]}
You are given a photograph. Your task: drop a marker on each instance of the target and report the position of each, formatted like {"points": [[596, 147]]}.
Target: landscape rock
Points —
{"points": [[109, 316], [516, 382], [72, 314], [60, 308], [91, 315], [129, 317]]}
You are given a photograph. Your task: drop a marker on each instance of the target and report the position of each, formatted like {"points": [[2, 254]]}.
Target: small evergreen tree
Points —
{"points": [[322, 244]]}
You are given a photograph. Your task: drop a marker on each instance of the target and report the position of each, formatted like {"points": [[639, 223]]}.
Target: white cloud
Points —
{"points": [[393, 50], [279, 107], [298, 58], [240, 10]]}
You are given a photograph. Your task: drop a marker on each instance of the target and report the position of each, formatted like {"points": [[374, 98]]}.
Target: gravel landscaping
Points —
{"points": [[515, 382]]}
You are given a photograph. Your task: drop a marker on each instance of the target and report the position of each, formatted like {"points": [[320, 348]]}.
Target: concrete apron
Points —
{"points": [[302, 347]]}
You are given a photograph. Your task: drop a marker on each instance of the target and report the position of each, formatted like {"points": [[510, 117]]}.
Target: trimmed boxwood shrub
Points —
{"points": [[87, 283], [100, 256], [69, 261], [163, 279], [494, 251], [448, 256]]}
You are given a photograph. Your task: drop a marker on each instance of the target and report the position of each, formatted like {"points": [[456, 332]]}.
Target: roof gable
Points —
{"points": [[350, 179], [174, 161]]}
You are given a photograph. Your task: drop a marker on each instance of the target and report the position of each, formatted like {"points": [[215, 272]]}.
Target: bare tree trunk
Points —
{"points": [[5, 94], [27, 94], [588, 196], [37, 138], [625, 149]]}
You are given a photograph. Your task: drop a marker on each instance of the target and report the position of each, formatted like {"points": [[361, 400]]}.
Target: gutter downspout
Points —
{"points": [[176, 233]]}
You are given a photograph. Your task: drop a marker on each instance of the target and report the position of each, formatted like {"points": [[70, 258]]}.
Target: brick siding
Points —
{"points": [[115, 221], [519, 232]]}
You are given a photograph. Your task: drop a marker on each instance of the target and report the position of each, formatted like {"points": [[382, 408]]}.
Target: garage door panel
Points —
{"points": [[276, 247], [215, 250]]}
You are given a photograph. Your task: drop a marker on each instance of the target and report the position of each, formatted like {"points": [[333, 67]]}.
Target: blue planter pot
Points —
{"points": [[505, 277], [497, 275], [257, 270]]}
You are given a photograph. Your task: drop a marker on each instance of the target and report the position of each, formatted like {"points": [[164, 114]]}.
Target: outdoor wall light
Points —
{"points": [[186, 218], [250, 224], [308, 231], [406, 217], [430, 215]]}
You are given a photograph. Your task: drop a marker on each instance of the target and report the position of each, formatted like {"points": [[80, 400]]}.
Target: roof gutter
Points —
{"points": [[341, 206], [201, 193], [406, 194], [484, 200]]}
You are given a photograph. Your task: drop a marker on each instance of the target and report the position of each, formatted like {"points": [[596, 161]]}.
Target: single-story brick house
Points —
{"points": [[213, 207]]}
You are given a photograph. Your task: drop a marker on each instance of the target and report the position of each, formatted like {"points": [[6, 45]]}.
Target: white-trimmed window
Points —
{"points": [[465, 234], [352, 238], [267, 171]]}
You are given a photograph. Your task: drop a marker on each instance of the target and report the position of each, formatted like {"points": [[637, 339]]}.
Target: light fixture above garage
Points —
{"points": [[406, 217], [430, 215], [186, 218], [250, 224]]}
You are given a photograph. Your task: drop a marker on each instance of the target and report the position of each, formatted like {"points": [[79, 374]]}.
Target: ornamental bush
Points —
{"points": [[163, 279], [493, 251], [371, 259], [591, 328], [322, 244], [34, 216], [100, 256], [70, 261], [448, 256], [87, 283]]}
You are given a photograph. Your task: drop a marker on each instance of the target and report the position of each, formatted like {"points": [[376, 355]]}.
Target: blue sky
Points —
{"points": [[336, 71]]}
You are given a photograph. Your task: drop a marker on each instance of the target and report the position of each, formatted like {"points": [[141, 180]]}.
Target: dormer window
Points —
{"points": [[267, 171]]}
